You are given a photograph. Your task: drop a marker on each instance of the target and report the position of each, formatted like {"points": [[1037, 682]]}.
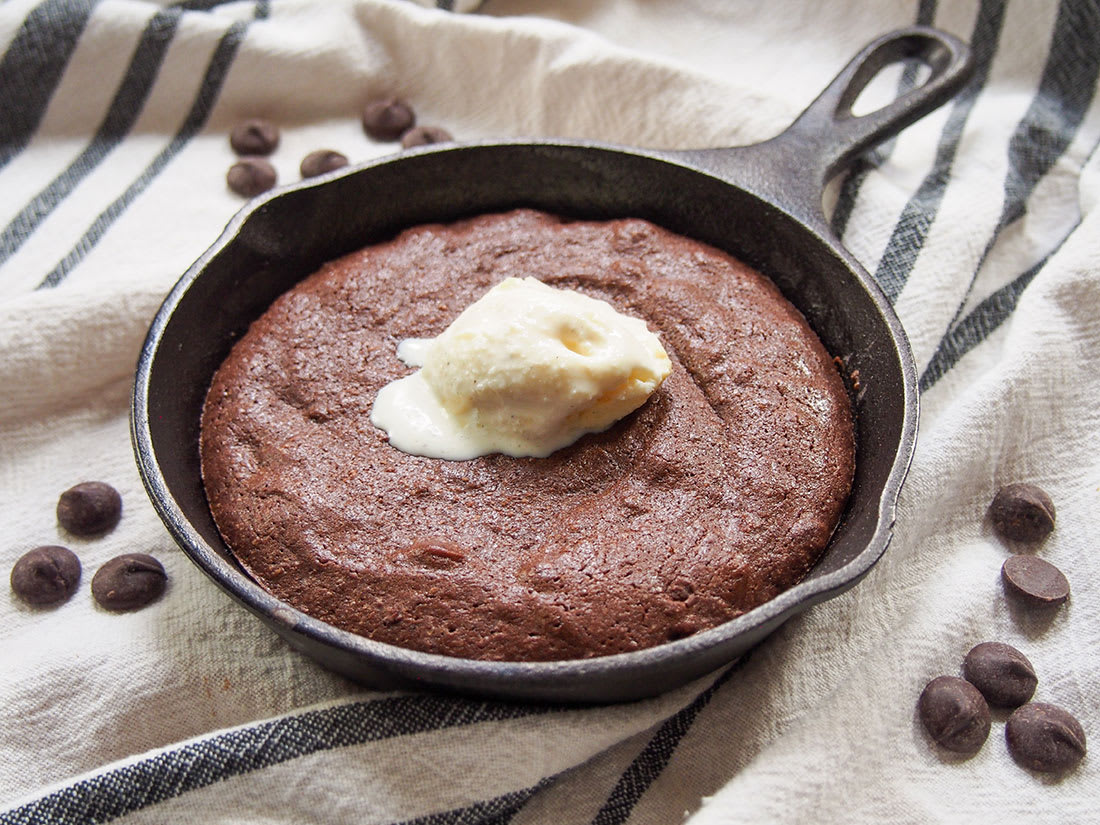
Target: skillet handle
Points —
{"points": [[792, 169]]}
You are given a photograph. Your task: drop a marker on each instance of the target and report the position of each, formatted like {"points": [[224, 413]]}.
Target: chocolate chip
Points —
{"points": [[955, 714], [425, 136], [1003, 674], [129, 581], [89, 508], [251, 176], [1035, 582], [1045, 738], [1022, 512], [388, 118], [254, 137], [321, 161], [46, 575]]}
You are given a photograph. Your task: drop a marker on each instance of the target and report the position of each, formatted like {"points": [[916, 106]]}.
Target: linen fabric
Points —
{"points": [[980, 222]]}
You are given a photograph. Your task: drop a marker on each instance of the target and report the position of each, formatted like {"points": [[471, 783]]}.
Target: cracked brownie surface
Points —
{"points": [[717, 494]]}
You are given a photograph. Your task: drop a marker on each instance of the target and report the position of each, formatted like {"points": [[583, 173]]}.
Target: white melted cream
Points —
{"points": [[525, 370]]}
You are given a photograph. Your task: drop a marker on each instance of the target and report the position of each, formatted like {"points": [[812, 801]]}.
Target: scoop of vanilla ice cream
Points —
{"points": [[525, 370]]}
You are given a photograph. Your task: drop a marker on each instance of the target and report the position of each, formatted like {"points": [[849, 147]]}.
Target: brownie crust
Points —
{"points": [[717, 494]]}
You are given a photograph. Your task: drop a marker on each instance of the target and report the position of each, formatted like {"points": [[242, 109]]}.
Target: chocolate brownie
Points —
{"points": [[717, 494]]}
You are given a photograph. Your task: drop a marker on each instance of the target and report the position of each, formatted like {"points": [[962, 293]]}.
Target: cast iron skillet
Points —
{"points": [[762, 203]]}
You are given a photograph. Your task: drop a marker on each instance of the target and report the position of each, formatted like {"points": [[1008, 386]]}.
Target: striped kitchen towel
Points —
{"points": [[981, 223]]}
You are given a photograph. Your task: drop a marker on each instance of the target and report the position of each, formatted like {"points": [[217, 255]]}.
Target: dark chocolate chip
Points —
{"points": [[128, 582], [89, 508], [254, 137], [388, 118], [321, 161], [250, 176], [1003, 674], [46, 575], [1045, 738], [425, 136], [955, 714], [1035, 582], [1022, 512]]}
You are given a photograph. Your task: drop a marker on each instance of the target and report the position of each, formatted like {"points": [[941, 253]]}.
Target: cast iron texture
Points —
{"points": [[761, 203]]}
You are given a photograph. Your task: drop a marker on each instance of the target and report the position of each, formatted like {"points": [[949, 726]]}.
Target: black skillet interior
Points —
{"points": [[761, 203]]}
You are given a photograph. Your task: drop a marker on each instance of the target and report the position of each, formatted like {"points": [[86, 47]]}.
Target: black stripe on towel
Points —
{"points": [[123, 111], [655, 756], [32, 67], [983, 320], [216, 72], [911, 230], [849, 191], [977, 326], [169, 774], [203, 5], [121, 115], [1065, 94]]}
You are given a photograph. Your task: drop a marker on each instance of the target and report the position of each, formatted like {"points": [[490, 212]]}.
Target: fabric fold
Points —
{"points": [[980, 222]]}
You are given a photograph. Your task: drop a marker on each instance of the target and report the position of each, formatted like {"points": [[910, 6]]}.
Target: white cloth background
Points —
{"points": [[981, 221]]}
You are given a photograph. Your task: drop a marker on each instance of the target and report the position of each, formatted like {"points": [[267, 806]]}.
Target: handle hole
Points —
{"points": [[893, 81]]}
